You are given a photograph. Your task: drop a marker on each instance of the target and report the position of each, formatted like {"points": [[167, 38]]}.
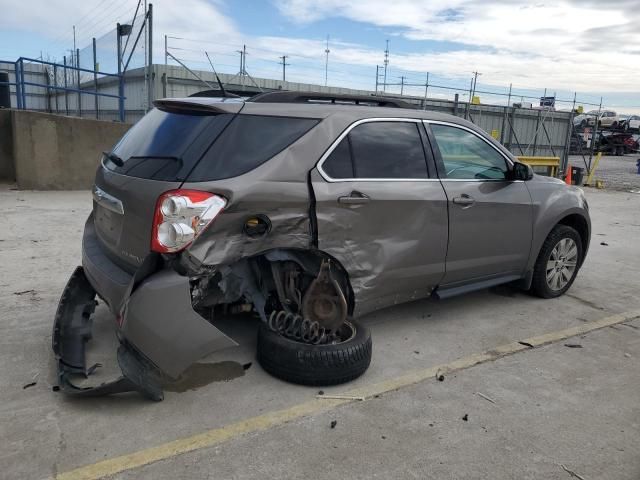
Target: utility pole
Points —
{"points": [[426, 90], [284, 67], [509, 98], [467, 110], [326, 62], [243, 64], [377, 77], [386, 63], [475, 80], [402, 77]]}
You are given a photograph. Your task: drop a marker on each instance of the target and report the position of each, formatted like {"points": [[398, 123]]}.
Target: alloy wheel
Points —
{"points": [[562, 264]]}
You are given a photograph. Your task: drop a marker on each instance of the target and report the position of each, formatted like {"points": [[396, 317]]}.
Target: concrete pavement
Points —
{"points": [[45, 433]]}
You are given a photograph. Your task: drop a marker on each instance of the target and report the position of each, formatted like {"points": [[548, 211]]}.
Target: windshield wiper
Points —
{"points": [[114, 158]]}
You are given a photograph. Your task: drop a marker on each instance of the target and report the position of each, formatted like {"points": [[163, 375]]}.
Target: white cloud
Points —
{"points": [[583, 45], [572, 45]]}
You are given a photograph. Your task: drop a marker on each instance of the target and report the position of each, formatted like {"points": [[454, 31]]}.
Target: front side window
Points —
{"points": [[466, 156], [379, 150]]}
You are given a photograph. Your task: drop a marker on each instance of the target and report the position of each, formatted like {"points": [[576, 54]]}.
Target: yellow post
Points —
{"points": [[593, 169]]}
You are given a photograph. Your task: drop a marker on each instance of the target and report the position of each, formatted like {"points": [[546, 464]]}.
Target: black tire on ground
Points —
{"points": [[318, 365], [539, 285]]}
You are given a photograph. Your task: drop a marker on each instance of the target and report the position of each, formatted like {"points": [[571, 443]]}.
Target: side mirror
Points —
{"points": [[522, 171]]}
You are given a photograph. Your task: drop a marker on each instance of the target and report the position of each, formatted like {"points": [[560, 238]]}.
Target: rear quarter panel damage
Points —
{"points": [[277, 189]]}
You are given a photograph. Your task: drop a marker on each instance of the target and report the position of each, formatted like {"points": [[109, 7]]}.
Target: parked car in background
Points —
{"points": [[605, 119], [631, 123]]}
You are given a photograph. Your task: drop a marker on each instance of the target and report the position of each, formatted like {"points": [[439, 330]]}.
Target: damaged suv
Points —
{"points": [[308, 210]]}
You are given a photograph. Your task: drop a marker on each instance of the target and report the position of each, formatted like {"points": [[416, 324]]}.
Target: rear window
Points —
{"points": [[166, 145], [249, 141], [174, 146]]}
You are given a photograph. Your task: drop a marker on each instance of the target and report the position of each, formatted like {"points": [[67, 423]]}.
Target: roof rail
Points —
{"points": [[329, 98]]}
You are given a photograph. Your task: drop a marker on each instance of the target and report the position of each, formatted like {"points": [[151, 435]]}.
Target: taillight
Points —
{"points": [[180, 216]]}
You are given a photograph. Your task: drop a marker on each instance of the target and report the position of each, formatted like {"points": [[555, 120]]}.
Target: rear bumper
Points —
{"points": [[160, 334]]}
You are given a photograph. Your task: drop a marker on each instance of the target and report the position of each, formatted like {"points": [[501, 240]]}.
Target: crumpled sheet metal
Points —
{"points": [[278, 189], [393, 250], [225, 242]]}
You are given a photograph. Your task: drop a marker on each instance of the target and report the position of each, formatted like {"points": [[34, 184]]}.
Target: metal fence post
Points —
{"points": [[535, 138], [16, 73], [79, 88], [120, 76], [55, 84], [66, 96], [567, 145], [95, 78], [23, 93]]}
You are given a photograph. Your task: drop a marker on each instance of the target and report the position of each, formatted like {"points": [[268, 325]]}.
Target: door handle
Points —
{"points": [[464, 200], [354, 198]]}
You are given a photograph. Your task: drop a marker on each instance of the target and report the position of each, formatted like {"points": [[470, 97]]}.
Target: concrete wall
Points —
{"points": [[7, 170], [53, 152]]}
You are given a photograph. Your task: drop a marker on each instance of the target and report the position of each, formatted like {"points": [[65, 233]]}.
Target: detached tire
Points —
{"points": [[318, 365]]}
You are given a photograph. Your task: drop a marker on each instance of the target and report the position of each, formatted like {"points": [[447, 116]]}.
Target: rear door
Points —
{"points": [[380, 214], [490, 216]]}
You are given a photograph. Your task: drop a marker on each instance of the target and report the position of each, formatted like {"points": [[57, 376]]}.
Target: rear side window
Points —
{"points": [[379, 150], [249, 141], [161, 145]]}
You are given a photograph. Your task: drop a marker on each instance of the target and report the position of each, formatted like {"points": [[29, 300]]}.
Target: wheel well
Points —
{"points": [[579, 224]]}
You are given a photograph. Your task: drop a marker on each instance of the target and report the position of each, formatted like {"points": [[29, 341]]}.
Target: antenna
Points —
{"points": [[224, 92]]}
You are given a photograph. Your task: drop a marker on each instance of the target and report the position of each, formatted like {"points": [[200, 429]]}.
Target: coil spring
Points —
{"points": [[296, 327]]}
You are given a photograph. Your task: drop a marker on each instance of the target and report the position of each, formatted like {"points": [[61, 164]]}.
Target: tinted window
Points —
{"points": [[339, 165], [466, 156], [387, 150], [160, 145], [249, 141]]}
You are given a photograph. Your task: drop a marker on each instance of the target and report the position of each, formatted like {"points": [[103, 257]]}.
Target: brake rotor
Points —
{"points": [[324, 301]]}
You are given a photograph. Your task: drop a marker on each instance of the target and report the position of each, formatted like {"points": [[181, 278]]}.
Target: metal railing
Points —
{"points": [[21, 83]]}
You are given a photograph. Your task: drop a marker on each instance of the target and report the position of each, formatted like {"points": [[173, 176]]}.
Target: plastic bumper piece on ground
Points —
{"points": [[71, 331]]}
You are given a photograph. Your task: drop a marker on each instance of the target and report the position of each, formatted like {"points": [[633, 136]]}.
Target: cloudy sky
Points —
{"points": [[591, 47]]}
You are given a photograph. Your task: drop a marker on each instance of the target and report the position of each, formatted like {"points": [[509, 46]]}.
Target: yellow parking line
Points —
{"points": [[220, 435]]}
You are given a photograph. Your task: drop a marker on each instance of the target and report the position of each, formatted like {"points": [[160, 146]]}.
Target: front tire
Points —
{"points": [[318, 365], [558, 262]]}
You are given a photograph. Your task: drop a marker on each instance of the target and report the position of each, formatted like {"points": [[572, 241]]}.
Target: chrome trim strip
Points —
{"points": [[107, 201], [346, 132]]}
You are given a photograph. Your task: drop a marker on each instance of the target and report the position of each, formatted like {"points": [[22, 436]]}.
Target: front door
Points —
{"points": [[379, 214], [490, 216]]}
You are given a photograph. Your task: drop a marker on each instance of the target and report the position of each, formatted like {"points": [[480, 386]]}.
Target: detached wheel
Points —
{"points": [[558, 262], [318, 365]]}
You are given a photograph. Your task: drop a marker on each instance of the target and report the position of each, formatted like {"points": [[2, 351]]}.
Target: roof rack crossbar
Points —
{"points": [[324, 98]]}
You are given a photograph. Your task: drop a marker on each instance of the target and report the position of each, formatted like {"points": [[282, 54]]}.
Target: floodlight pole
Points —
{"points": [[150, 77]]}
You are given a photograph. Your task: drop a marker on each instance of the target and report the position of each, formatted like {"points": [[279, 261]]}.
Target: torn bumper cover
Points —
{"points": [[161, 335], [72, 330]]}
